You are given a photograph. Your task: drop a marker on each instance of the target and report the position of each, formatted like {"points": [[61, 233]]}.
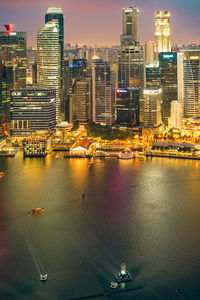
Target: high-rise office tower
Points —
{"points": [[103, 94], [32, 110], [127, 107], [129, 26], [168, 74], [150, 107], [177, 110], [82, 91], [12, 66], [162, 31], [149, 52], [48, 67], [189, 81], [153, 74], [54, 13], [131, 66]]}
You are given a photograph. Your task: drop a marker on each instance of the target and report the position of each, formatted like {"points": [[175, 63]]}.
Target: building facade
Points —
{"points": [[169, 82], [150, 107], [32, 110], [129, 26], [48, 67], [131, 66], [54, 13], [103, 94], [189, 82], [127, 107], [12, 66], [162, 31]]}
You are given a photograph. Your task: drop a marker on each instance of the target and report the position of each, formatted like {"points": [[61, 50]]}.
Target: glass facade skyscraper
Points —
{"points": [[103, 94], [54, 13], [189, 81], [12, 66], [168, 75], [131, 66], [48, 67]]}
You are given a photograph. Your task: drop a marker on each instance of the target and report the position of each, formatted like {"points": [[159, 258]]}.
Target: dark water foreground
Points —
{"points": [[145, 213]]}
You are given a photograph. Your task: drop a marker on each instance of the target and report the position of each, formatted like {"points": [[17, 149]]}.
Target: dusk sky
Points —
{"points": [[99, 21]]}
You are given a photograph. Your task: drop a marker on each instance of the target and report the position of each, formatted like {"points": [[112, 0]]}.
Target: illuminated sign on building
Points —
{"points": [[9, 29], [168, 56]]}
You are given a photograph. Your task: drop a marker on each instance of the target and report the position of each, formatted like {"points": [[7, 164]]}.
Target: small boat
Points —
{"points": [[43, 277], [36, 211], [113, 285], [126, 154], [2, 174], [90, 164]]}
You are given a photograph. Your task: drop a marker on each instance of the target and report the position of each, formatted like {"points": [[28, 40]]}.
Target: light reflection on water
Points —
{"points": [[143, 212]]}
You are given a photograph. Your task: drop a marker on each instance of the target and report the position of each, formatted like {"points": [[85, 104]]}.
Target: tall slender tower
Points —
{"points": [[189, 81], [162, 31], [54, 13], [48, 50], [129, 26]]}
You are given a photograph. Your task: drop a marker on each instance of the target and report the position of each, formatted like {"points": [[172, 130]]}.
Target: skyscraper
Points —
{"points": [[54, 13], [168, 73], [12, 66], [127, 107], [150, 107], [162, 31], [103, 95], [129, 26], [189, 81], [131, 66], [82, 100], [48, 68]]}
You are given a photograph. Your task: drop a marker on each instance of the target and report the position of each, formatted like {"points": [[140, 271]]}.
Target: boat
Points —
{"points": [[124, 275], [126, 154], [36, 211], [43, 277], [90, 164], [113, 285], [2, 174]]}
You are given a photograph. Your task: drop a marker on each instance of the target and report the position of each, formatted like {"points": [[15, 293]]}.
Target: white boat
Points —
{"points": [[43, 277], [126, 154], [113, 285]]}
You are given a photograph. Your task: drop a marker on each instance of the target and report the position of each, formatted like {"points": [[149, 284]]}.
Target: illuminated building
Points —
{"points": [[127, 107], [82, 147], [131, 66], [48, 67], [153, 74], [83, 100], [149, 52], [12, 66], [54, 13], [189, 82], [129, 26], [32, 110], [168, 73], [162, 31], [103, 94], [150, 107], [36, 147], [176, 114]]}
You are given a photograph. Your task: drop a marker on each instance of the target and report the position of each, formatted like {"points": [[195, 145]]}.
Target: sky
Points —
{"points": [[99, 22]]}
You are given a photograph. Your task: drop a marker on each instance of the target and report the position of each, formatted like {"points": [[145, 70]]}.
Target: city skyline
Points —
{"points": [[30, 16]]}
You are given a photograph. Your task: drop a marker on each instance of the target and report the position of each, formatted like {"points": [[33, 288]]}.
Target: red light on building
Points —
{"points": [[4, 128], [9, 29]]}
